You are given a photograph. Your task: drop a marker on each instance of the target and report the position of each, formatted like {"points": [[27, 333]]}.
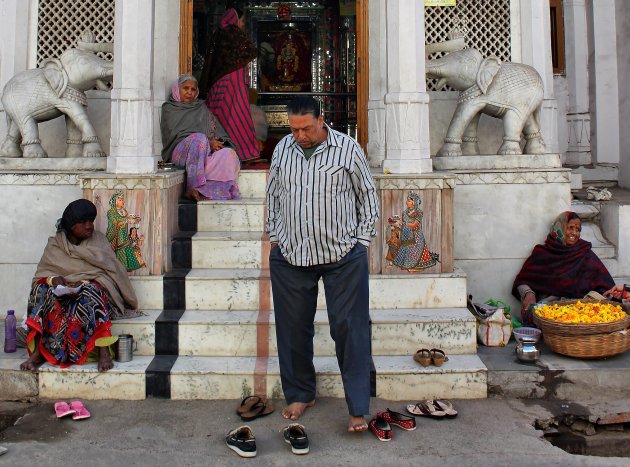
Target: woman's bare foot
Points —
{"points": [[104, 360], [194, 195], [33, 362], [357, 424], [295, 410]]}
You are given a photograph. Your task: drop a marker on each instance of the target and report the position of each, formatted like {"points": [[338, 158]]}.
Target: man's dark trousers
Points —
{"points": [[347, 298]]}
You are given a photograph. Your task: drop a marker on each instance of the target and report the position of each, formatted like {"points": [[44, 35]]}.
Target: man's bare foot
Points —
{"points": [[357, 424], [295, 410], [33, 362], [104, 360]]}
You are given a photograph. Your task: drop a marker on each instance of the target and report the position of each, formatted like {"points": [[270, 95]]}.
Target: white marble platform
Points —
{"points": [[497, 162], [220, 216], [394, 332], [150, 291], [398, 378], [241, 289]]}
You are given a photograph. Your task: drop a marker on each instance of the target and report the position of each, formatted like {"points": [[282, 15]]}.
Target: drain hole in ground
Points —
{"points": [[607, 436]]}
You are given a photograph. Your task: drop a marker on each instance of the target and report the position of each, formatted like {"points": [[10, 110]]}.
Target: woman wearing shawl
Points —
{"points": [[225, 79], [192, 138], [565, 266], [64, 329]]}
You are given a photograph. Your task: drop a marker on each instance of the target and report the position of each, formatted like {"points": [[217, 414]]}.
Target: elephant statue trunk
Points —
{"points": [[511, 91], [56, 88]]}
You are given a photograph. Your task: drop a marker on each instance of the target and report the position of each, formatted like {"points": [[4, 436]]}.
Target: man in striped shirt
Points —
{"points": [[322, 207]]}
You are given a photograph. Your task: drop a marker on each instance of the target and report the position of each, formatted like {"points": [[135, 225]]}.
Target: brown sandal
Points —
{"points": [[259, 409], [248, 402], [423, 357], [438, 357]]}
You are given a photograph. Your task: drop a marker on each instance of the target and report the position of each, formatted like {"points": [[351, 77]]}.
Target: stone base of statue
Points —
{"points": [[53, 164], [497, 162]]}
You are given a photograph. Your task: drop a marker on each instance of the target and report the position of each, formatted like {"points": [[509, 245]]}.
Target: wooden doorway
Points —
{"points": [[189, 52]]}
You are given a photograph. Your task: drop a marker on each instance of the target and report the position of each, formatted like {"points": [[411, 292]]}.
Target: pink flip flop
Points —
{"points": [[80, 410], [62, 409]]}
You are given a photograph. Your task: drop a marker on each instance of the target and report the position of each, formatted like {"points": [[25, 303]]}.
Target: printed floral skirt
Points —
{"points": [[213, 174], [68, 326]]}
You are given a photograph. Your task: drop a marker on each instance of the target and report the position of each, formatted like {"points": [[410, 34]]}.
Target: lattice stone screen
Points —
{"points": [[484, 23], [61, 22]]}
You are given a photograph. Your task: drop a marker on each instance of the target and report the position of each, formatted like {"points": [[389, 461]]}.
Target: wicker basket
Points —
{"points": [[598, 340]]}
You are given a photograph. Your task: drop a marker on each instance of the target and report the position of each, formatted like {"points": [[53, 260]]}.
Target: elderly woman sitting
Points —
{"points": [[564, 266], [63, 329], [193, 138]]}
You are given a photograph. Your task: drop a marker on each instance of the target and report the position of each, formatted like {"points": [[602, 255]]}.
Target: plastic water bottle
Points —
{"points": [[10, 344]]}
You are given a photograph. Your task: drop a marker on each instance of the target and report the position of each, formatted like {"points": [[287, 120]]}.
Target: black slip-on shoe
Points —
{"points": [[295, 435], [242, 441]]}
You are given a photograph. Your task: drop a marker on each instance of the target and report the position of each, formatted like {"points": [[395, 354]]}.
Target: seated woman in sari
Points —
{"points": [[563, 267], [64, 329], [194, 139]]}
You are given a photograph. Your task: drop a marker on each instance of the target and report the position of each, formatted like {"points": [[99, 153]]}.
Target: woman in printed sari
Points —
{"points": [[565, 266], [194, 139], [64, 329], [225, 79]]}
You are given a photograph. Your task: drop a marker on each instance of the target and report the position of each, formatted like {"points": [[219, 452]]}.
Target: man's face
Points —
{"points": [[307, 130]]}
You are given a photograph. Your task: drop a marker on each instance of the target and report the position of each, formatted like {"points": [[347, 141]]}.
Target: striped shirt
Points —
{"points": [[319, 208]]}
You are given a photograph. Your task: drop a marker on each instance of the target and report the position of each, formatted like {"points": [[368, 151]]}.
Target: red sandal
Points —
{"points": [[400, 420], [381, 429]]}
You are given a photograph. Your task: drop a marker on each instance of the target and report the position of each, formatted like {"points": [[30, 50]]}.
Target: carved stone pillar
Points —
{"points": [[377, 82], [576, 62], [406, 102], [536, 52], [605, 106], [132, 118]]}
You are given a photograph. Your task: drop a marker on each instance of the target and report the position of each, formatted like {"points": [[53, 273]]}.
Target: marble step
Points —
{"points": [[221, 216], [252, 183], [228, 250], [397, 378], [249, 289], [236, 333]]}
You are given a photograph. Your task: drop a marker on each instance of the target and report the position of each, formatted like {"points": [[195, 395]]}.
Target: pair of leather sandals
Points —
{"points": [[426, 357], [253, 407]]}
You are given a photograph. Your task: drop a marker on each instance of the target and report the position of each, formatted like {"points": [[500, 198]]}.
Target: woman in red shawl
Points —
{"points": [[564, 266], [225, 78]]}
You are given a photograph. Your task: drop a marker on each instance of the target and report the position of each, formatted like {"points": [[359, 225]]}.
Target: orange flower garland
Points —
{"points": [[582, 313]]}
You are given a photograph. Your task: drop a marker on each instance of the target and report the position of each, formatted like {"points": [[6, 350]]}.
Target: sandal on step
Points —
{"points": [[248, 402], [445, 406], [425, 410], [398, 419], [423, 357], [259, 409], [438, 357], [381, 429]]}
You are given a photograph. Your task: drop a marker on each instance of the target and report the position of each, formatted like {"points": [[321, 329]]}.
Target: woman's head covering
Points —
{"points": [[415, 197], [77, 211], [229, 18], [559, 227], [181, 80]]}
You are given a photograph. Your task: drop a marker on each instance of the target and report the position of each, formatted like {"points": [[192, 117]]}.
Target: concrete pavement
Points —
{"points": [[489, 432]]}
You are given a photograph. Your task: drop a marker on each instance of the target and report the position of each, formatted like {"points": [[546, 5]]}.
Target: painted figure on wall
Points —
{"points": [[407, 247], [136, 242], [119, 233]]}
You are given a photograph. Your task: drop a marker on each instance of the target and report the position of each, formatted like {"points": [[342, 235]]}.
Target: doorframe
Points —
{"points": [[185, 36], [363, 72]]}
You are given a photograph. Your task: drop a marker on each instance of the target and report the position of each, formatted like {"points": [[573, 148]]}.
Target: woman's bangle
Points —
{"points": [[530, 291], [49, 280]]}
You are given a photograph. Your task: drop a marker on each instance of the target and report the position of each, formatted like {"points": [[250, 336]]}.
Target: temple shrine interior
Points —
{"points": [[304, 48]]}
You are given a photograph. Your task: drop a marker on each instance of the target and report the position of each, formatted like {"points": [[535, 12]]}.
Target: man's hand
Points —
{"points": [[273, 245]]}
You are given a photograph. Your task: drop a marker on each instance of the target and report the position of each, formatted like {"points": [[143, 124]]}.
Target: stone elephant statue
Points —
{"points": [[511, 91], [57, 88]]}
